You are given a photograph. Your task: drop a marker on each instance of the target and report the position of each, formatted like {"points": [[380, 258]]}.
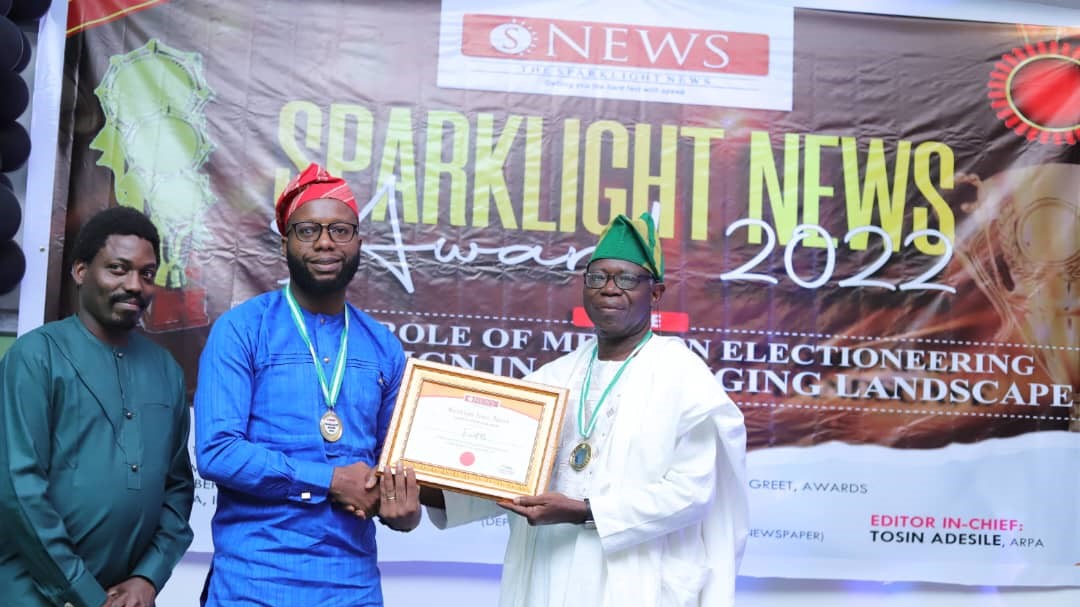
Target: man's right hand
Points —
{"points": [[348, 488]]}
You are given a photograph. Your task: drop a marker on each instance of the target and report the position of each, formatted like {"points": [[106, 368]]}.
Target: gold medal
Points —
{"points": [[330, 427], [580, 456]]}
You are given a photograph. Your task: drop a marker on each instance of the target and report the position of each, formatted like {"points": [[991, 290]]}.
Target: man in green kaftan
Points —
{"points": [[95, 479]]}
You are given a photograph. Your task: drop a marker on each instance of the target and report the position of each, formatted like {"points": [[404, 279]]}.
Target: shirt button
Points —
{"points": [[326, 359], [322, 321], [68, 605], [134, 467], [119, 354], [129, 414]]}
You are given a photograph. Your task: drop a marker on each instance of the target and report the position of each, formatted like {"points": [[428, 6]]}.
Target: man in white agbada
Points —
{"points": [[648, 505]]}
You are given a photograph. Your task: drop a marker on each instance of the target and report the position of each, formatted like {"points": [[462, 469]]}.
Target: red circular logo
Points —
{"points": [[1034, 91], [467, 458]]}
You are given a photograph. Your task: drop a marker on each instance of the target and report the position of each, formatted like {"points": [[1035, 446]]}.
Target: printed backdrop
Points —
{"points": [[872, 227]]}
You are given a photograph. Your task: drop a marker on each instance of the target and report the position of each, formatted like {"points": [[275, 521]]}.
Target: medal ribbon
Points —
{"points": [[330, 391], [586, 431]]}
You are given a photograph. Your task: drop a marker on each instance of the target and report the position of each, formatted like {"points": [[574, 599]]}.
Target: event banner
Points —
{"points": [[871, 225]]}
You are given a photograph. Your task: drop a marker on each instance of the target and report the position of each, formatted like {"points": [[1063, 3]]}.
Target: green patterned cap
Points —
{"points": [[632, 240]]}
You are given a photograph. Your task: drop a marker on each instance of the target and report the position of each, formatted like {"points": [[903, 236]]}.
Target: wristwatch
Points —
{"points": [[588, 523]]}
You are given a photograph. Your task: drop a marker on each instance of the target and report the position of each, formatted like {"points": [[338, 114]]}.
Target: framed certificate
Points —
{"points": [[474, 432]]}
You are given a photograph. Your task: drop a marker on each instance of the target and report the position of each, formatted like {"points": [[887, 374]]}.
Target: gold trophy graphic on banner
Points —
{"points": [[1022, 247], [155, 142]]}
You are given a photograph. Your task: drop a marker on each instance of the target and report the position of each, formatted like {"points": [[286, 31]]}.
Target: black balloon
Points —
{"points": [[12, 266], [11, 44], [14, 146], [27, 52], [15, 98], [10, 213], [28, 10]]}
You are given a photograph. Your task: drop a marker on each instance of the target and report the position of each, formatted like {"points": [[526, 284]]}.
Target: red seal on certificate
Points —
{"points": [[467, 458]]}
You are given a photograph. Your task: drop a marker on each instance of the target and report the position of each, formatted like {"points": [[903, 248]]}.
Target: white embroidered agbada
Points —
{"points": [[666, 486]]}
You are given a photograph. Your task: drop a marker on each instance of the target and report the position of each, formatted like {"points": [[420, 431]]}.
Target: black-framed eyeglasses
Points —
{"points": [[310, 231], [626, 282]]}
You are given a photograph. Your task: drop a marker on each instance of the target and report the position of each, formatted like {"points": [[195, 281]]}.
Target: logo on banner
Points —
{"points": [[156, 141], [707, 54], [512, 38], [615, 44], [1033, 90]]}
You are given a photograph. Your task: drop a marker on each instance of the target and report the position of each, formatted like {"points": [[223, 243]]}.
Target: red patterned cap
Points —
{"points": [[314, 183]]}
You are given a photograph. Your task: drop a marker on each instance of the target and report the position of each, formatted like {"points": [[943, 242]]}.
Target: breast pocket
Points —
{"points": [[359, 404], [157, 424], [287, 398]]}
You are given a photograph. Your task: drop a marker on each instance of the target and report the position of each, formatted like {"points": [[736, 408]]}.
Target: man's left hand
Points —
{"points": [[547, 509], [132, 592]]}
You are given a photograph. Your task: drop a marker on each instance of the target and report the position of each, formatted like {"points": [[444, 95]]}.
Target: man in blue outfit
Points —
{"points": [[296, 390], [95, 479]]}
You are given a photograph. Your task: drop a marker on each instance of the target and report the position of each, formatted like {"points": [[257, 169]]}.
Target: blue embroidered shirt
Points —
{"points": [[278, 539]]}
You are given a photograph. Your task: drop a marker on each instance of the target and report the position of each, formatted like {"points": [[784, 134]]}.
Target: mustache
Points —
{"points": [[138, 300]]}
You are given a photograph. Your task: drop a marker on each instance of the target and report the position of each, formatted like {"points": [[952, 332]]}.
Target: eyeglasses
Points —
{"points": [[310, 231], [626, 282]]}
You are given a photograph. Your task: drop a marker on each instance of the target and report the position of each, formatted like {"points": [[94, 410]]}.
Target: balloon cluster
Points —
{"points": [[16, 18]]}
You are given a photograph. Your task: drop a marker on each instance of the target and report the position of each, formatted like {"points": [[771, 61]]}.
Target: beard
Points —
{"points": [[304, 280], [127, 320]]}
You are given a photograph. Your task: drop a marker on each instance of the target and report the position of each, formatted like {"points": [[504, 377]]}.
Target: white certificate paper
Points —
{"points": [[473, 434]]}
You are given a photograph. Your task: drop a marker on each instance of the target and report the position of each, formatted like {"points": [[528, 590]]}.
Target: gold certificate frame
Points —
{"points": [[474, 432]]}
